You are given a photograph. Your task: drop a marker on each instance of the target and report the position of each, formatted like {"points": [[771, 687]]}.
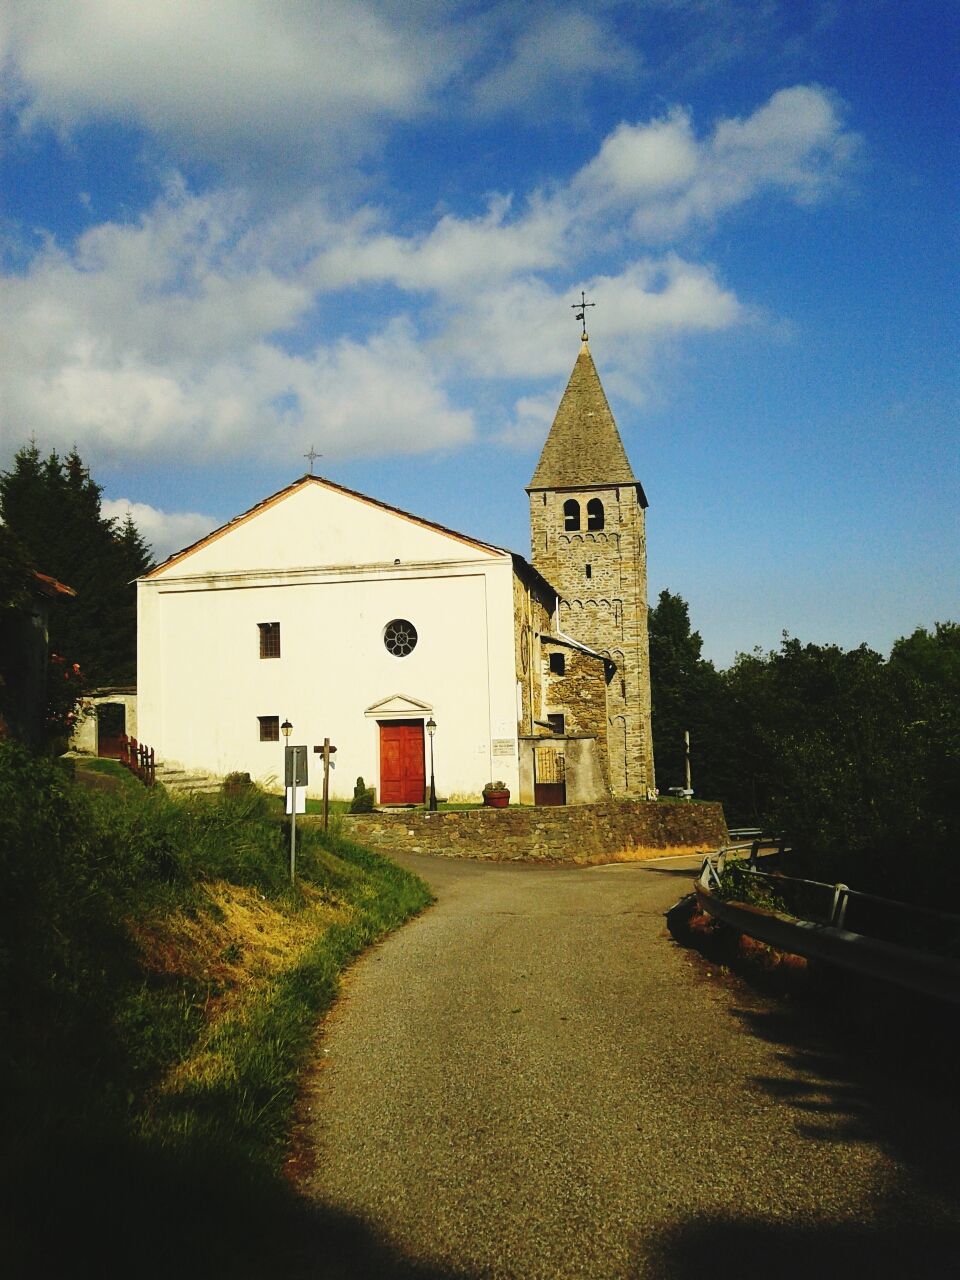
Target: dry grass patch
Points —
{"points": [[645, 853], [236, 937], [234, 943]]}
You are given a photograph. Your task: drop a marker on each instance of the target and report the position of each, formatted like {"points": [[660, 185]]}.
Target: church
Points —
{"points": [[402, 641]]}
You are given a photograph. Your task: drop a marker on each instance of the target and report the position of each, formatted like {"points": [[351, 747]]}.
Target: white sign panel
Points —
{"points": [[301, 799]]}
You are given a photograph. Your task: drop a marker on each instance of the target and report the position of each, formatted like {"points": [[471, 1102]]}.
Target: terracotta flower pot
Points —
{"points": [[496, 799]]}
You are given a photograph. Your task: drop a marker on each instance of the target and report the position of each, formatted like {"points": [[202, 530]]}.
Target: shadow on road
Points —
{"points": [[731, 1246], [861, 1061], [103, 1209], [680, 873]]}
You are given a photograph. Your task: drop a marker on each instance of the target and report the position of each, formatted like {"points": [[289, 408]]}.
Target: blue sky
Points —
{"points": [[233, 229]]}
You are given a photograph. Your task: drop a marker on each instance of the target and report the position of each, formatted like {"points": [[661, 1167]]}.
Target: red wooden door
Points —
{"points": [[402, 778]]}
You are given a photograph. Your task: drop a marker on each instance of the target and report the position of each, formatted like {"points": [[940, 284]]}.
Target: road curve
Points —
{"points": [[533, 1080]]}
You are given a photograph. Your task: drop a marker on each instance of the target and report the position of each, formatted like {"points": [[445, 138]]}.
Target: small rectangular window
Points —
{"points": [[556, 722], [558, 664], [589, 570], [269, 728], [269, 639]]}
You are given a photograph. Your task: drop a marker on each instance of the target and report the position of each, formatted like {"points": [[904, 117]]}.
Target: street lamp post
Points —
{"points": [[431, 730], [286, 729]]}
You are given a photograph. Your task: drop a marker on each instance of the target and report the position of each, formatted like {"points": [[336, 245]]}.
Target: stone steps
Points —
{"points": [[175, 778]]}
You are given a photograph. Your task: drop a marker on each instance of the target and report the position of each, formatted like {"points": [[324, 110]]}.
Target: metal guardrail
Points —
{"points": [[825, 938]]}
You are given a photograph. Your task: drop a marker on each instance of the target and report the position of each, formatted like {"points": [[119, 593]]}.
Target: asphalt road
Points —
{"points": [[534, 1080]]}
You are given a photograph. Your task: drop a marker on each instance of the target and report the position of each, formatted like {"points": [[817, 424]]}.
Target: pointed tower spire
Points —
{"points": [[584, 446], [588, 539]]}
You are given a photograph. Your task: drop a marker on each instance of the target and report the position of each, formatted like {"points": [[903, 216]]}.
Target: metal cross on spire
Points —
{"points": [[311, 457], [581, 307]]}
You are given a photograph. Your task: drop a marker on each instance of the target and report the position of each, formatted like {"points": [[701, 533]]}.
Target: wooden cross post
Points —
{"points": [[328, 751]]}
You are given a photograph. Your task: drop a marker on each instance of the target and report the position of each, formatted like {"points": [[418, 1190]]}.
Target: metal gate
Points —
{"points": [[549, 776]]}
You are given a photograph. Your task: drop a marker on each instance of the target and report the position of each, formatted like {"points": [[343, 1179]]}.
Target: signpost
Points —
{"points": [[327, 752], [295, 775]]}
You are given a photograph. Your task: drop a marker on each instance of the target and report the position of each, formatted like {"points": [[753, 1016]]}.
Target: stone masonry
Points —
{"points": [[612, 831], [588, 540]]}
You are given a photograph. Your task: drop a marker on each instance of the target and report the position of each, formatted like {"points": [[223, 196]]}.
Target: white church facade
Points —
{"points": [[362, 623]]}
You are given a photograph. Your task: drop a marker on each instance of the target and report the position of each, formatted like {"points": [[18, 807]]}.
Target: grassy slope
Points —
{"points": [[160, 985]]}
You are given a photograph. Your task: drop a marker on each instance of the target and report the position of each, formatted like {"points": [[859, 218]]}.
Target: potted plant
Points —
{"points": [[496, 795], [236, 784]]}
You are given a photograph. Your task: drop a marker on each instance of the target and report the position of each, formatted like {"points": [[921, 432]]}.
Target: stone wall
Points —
{"points": [[86, 733], [533, 605], [580, 694], [606, 611], [613, 831]]}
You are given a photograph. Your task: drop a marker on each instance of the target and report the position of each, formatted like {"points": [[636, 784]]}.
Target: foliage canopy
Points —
{"points": [[853, 758], [52, 508]]}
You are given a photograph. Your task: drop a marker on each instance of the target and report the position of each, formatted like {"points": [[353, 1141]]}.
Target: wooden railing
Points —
{"points": [[139, 759]]}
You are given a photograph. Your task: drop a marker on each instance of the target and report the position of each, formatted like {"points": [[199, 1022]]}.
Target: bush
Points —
{"points": [[362, 801]]}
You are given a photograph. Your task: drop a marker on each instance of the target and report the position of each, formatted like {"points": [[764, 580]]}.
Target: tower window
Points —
{"points": [[571, 515], [588, 569], [558, 664], [556, 722], [269, 639], [594, 514]]}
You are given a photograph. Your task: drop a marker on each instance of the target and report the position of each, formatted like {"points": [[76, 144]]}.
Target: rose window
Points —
{"points": [[400, 637]]}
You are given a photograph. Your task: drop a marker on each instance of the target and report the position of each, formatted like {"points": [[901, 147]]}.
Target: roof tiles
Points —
{"points": [[584, 446]]}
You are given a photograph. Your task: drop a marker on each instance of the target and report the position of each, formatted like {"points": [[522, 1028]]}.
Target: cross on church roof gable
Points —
{"points": [[316, 485], [583, 448]]}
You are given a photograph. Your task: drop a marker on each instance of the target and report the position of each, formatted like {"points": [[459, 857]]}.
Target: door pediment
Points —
{"points": [[398, 706]]}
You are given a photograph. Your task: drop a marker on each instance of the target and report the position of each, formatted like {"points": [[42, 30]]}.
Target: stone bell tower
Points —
{"points": [[588, 541]]}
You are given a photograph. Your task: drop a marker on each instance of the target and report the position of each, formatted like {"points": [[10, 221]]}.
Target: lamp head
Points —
{"points": [[431, 726], [286, 728]]}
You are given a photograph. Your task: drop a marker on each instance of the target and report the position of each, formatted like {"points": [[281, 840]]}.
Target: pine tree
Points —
{"points": [[53, 506]]}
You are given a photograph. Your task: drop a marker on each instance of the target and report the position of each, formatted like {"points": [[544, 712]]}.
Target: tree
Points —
{"points": [[925, 675], [53, 507], [687, 694], [40, 691]]}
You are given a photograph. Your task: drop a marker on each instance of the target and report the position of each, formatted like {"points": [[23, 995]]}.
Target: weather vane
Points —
{"points": [[311, 457], [581, 308]]}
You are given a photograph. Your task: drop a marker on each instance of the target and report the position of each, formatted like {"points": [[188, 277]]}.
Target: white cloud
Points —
{"points": [[648, 183], [640, 161], [165, 335], [522, 329], [195, 327], [222, 73], [165, 531], [559, 47], [663, 179], [532, 418], [456, 253]]}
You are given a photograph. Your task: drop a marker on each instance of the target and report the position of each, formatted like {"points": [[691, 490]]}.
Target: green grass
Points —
{"points": [[149, 1059], [101, 774]]}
